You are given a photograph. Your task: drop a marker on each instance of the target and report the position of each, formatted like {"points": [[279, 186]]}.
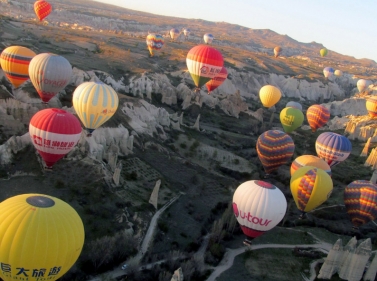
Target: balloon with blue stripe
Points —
{"points": [[95, 103], [333, 148]]}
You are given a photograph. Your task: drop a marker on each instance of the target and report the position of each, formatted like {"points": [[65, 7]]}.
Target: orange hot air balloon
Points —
{"points": [[214, 83], [42, 9], [15, 62], [310, 160], [277, 51], [317, 115]]}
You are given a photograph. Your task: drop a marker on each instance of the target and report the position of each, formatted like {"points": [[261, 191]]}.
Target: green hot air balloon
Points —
{"points": [[323, 52], [291, 118]]}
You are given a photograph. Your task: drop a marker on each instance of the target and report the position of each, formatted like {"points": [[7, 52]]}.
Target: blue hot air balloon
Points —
{"points": [[333, 148]]}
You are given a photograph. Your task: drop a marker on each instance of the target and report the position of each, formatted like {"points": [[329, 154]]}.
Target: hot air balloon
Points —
{"points": [[42, 9], [317, 116], [258, 206], [274, 148], [323, 52], [186, 32], [328, 72], [49, 74], [203, 63], [218, 80], [360, 198], [333, 148], [154, 42], [294, 104], [277, 51], [310, 187], [41, 237], [362, 84], [338, 73], [208, 38], [371, 106], [291, 118], [310, 160], [15, 61], [174, 33], [269, 95], [94, 103], [54, 132]]}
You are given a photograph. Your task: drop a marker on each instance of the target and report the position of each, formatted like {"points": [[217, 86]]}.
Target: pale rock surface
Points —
{"points": [[370, 275], [178, 275], [331, 264], [154, 196]]}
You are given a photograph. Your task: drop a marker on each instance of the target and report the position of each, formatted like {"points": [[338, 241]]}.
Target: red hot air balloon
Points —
{"points": [[274, 148], [214, 83], [258, 206], [42, 9], [317, 115], [54, 132], [360, 198]]}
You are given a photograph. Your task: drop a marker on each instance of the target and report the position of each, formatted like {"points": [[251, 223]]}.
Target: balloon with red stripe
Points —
{"points": [[371, 106], [317, 116], [42, 9], [15, 62], [258, 207], [333, 148], [214, 83], [54, 132], [204, 63], [360, 198]]}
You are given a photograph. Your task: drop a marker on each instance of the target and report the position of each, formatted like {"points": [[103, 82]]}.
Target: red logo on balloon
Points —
{"points": [[235, 210], [204, 69], [104, 111], [37, 140]]}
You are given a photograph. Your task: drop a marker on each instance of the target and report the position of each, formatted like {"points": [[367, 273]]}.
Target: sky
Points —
{"points": [[347, 27]]}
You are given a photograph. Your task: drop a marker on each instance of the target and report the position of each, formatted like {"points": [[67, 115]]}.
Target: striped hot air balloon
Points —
{"points": [[208, 38], [310, 160], [291, 118], [42, 9], [360, 198], [258, 206], [15, 62], [269, 95], [317, 116], [154, 42], [215, 82], [277, 51], [54, 132], [371, 106], [274, 148], [333, 148], [95, 103], [49, 74], [186, 32], [204, 63], [310, 187], [41, 237], [174, 34]]}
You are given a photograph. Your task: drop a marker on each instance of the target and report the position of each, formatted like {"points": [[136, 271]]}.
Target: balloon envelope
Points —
{"points": [[274, 148], [49, 74], [310, 160], [154, 42], [204, 63], [215, 82], [362, 84], [338, 73], [54, 132], [328, 72], [15, 62], [333, 148], [41, 237], [94, 103], [208, 38], [310, 187], [42, 9], [258, 206], [294, 104], [371, 106], [317, 116], [269, 95], [291, 118], [360, 198], [323, 52], [277, 51], [174, 33], [186, 31]]}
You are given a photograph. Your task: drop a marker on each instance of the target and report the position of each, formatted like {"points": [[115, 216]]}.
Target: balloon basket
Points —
{"points": [[48, 169], [247, 242], [89, 135]]}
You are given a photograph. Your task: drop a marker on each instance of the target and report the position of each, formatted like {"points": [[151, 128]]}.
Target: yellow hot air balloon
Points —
{"points": [[41, 237], [310, 187], [310, 160], [94, 103], [291, 118], [15, 62], [269, 95]]}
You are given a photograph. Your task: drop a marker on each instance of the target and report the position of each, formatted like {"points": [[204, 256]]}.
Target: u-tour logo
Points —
{"points": [[249, 217], [59, 145]]}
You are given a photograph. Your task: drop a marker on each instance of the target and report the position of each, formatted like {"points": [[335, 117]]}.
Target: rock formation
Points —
{"points": [[154, 196], [331, 264], [178, 275], [365, 150], [370, 275], [116, 175], [345, 261]]}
